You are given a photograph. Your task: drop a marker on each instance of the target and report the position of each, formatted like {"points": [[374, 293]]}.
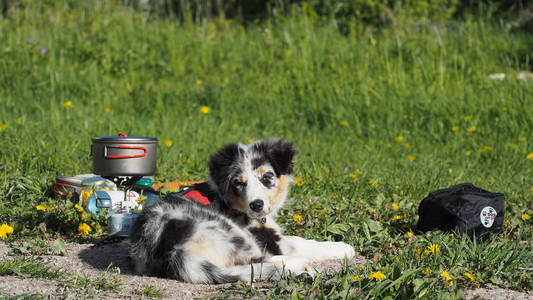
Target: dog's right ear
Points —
{"points": [[222, 164]]}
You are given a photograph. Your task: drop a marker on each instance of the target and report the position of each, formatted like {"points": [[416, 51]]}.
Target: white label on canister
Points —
{"points": [[488, 215]]}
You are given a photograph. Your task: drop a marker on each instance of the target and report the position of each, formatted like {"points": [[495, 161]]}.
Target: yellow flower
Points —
{"points": [[19, 121], [40, 207], [407, 145], [298, 180], [473, 128], [408, 117], [352, 175], [67, 104], [3, 126], [427, 271], [107, 110], [469, 152], [78, 208], [395, 206], [250, 141], [344, 123], [371, 90], [396, 218], [531, 189], [84, 228], [378, 276], [496, 119], [373, 182], [204, 109], [468, 118], [470, 276], [530, 156], [488, 148], [297, 218], [455, 128], [168, 143], [409, 234], [373, 42], [448, 279], [525, 217], [432, 249], [522, 139], [411, 158], [372, 211], [5, 230], [399, 138], [505, 109], [356, 277], [199, 82], [358, 172]]}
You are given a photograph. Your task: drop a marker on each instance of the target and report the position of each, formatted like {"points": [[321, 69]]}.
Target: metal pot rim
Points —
{"points": [[124, 139]]}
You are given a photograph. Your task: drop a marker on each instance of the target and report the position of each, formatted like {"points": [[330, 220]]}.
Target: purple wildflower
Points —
{"points": [[30, 41], [44, 50]]}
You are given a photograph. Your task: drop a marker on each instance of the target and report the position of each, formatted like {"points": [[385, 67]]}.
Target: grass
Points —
{"points": [[372, 115]]}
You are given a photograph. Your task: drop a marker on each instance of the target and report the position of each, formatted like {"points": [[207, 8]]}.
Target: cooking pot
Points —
{"points": [[124, 155]]}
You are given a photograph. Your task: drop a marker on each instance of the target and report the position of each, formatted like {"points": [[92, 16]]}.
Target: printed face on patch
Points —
{"points": [[259, 177]]}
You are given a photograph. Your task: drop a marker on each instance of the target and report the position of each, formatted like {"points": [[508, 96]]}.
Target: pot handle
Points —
{"points": [[125, 156]]}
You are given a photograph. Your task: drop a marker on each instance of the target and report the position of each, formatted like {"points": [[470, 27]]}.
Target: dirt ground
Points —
{"points": [[110, 261]]}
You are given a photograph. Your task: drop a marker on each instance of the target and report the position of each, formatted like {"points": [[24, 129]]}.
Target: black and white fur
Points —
{"points": [[179, 238]]}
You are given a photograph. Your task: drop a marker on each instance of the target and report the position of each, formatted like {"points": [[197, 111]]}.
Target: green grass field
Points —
{"points": [[379, 120]]}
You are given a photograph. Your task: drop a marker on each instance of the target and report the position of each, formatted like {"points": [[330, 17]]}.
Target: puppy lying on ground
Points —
{"points": [[229, 232]]}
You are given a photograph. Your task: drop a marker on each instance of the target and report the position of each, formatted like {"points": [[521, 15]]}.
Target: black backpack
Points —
{"points": [[462, 208]]}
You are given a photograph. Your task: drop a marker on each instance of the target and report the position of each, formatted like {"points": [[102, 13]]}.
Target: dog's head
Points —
{"points": [[254, 178]]}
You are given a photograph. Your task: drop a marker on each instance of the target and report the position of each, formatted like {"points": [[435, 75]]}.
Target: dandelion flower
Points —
{"points": [[352, 175], [3, 127], [373, 42], [505, 109], [78, 208], [371, 90], [19, 121], [455, 128], [407, 145], [40, 207], [395, 206], [358, 172], [525, 217], [488, 148], [372, 211], [468, 118], [427, 271], [5, 230], [468, 152], [531, 189], [530, 156], [298, 180], [396, 218], [199, 82], [107, 110], [356, 277], [470, 276], [432, 249], [378, 276], [411, 157], [204, 109], [84, 228], [473, 128], [399, 138], [409, 234], [344, 123], [67, 104], [297, 218], [448, 279], [168, 143], [522, 139], [250, 141]]}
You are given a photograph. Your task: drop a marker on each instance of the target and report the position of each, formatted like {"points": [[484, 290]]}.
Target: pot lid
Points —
{"points": [[125, 139]]}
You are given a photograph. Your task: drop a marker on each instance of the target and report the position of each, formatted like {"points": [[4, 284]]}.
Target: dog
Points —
{"points": [[229, 233]]}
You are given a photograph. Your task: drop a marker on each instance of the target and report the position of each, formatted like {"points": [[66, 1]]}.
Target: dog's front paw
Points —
{"points": [[340, 250], [296, 265]]}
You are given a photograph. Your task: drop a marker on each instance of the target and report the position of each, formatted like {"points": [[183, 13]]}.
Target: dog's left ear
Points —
{"points": [[282, 156]]}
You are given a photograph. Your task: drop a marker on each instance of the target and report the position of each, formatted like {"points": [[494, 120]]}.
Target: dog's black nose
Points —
{"points": [[257, 205]]}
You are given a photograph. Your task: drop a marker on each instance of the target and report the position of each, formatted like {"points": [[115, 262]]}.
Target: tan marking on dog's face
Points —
{"points": [[243, 177], [260, 171], [237, 202], [279, 193]]}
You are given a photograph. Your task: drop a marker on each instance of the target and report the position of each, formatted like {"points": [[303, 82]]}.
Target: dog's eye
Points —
{"points": [[238, 183], [267, 179]]}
